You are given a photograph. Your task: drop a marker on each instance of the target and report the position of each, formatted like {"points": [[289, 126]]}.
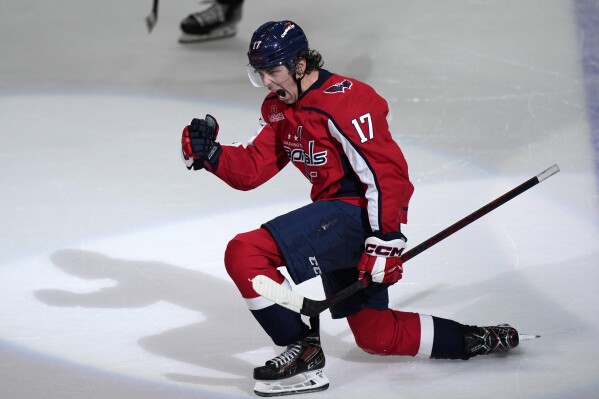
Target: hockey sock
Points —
{"points": [[449, 339], [282, 325], [386, 332]]}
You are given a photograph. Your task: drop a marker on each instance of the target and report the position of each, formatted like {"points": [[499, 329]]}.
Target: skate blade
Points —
{"points": [[311, 381], [221, 33], [528, 337]]}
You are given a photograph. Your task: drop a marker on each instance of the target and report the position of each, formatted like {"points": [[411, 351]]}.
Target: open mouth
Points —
{"points": [[281, 93]]}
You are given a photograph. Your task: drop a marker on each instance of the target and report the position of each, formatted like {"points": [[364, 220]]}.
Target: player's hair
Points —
{"points": [[313, 60]]}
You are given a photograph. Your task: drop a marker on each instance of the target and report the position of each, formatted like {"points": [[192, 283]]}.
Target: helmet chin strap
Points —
{"points": [[298, 81], [299, 86]]}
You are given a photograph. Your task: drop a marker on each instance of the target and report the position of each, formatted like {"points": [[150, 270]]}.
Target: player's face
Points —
{"points": [[279, 81]]}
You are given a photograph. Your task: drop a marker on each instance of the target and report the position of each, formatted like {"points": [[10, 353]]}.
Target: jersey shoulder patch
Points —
{"points": [[339, 87]]}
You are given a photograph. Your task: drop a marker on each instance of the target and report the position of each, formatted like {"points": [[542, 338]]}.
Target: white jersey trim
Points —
{"points": [[364, 174], [427, 335], [261, 302]]}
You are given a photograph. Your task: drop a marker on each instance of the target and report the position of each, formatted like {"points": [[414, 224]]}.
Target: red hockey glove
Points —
{"points": [[381, 260], [199, 148]]}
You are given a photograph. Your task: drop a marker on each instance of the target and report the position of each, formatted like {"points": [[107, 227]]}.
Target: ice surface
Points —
{"points": [[112, 282]]}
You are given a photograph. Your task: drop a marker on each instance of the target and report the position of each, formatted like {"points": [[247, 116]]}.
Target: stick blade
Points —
{"points": [[270, 289], [151, 21]]}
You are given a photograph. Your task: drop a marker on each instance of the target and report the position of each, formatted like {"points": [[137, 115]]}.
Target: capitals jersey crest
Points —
{"points": [[339, 87]]}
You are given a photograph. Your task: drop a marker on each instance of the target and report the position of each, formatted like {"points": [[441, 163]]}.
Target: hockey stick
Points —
{"points": [[310, 307], [152, 19]]}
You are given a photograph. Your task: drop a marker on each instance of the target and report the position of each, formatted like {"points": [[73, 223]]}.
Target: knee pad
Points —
{"points": [[250, 254]]}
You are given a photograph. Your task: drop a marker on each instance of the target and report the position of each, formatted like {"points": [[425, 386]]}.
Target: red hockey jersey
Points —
{"points": [[337, 135]]}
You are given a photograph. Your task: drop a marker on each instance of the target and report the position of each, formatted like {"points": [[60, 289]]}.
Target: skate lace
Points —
{"points": [[215, 13], [290, 353]]}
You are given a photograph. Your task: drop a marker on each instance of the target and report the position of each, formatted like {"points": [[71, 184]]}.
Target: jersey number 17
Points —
{"points": [[364, 120]]}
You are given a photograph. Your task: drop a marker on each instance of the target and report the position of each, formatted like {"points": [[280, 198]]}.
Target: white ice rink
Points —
{"points": [[112, 284]]}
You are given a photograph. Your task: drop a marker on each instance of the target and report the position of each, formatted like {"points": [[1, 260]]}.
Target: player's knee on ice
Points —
{"points": [[386, 332]]}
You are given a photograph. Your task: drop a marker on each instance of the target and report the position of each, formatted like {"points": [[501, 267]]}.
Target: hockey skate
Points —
{"points": [[495, 339], [297, 370], [218, 21]]}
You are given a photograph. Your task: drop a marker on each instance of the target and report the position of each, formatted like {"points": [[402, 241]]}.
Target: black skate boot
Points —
{"points": [[487, 340], [297, 370], [218, 21]]}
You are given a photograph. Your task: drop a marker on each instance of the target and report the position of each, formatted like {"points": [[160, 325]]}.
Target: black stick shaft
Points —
{"points": [[316, 307], [496, 203]]}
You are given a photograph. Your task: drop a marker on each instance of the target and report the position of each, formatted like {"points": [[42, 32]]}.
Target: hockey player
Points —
{"points": [[218, 21], [334, 130]]}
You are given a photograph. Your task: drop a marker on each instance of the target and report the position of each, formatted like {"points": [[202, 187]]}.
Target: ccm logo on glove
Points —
{"points": [[383, 250], [381, 260]]}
